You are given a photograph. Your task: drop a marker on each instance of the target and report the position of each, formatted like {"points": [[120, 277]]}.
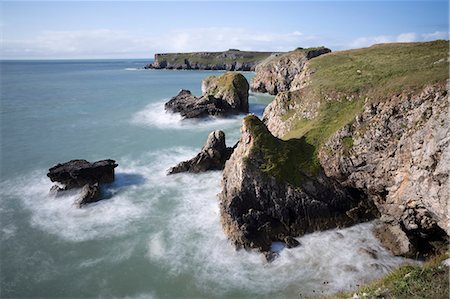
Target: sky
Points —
{"points": [[138, 29]]}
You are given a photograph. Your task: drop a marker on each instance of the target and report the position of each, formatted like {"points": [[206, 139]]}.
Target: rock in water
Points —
{"points": [[89, 194], [227, 94], [81, 173], [266, 196], [230, 87], [77, 173], [212, 156]]}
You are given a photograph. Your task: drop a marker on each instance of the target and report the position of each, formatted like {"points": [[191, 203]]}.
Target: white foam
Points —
{"points": [[154, 115], [178, 217], [193, 240]]}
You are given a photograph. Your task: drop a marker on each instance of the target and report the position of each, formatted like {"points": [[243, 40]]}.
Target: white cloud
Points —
{"points": [[403, 37], [113, 43], [406, 37]]}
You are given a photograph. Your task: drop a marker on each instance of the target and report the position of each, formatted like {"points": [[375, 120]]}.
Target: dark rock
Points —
{"points": [[291, 242], [258, 208], [89, 194], [212, 156], [77, 173], [224, 95]]}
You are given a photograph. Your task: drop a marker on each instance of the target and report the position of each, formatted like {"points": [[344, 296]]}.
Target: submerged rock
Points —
{"points": [[266, 196], [82, 174], [223, 95], [212, 156]]}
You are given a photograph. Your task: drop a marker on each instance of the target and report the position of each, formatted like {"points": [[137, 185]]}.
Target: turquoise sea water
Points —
{"points": [[155, 236]]}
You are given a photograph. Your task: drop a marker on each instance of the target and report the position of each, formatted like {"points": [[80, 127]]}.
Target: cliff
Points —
{"points": [[281, 72], [231, 60], [373, 123]]}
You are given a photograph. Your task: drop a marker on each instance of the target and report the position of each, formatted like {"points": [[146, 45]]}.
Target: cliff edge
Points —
{"points": [[364, 126]]}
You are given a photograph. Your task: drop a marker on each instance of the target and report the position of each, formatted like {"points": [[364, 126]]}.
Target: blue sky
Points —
{"points": [[113, 29]]}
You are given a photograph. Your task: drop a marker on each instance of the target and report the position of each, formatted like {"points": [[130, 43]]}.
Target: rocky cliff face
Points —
{"points": [[368, 123], [398, 153], [231, 60], [283, 72], [258, 207]]}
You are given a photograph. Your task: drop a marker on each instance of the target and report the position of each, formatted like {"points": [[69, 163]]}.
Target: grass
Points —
{"points": [[286, 160], [430, 281], [213, 58], [342, 81]]}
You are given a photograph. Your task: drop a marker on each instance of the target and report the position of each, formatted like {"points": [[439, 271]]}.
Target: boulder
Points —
{"points": [[77, 173], [227, 94], [82, 174], [88, 194], [212, 156]]}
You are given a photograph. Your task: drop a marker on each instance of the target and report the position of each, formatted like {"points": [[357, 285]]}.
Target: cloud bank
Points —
{"points": [[105, 43]]}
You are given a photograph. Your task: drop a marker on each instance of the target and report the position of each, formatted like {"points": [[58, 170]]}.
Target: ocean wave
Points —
{"points": [[154, 115]]}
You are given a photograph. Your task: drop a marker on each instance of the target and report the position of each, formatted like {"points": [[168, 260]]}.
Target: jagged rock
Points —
{"points": [[81, 173], [88, 194], [77, 173], [227, 94], [212, 156], [283, 72], [258, 206], [400, 156], [395, 239]]}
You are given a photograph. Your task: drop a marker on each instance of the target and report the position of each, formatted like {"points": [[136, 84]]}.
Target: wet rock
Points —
{"points": [[395, 239], [82, 174], [213, 156], [88, 194], [291, 242], [77, 173]]}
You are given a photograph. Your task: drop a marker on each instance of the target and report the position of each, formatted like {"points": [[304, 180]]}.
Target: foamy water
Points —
{"points": [[153, 236]]}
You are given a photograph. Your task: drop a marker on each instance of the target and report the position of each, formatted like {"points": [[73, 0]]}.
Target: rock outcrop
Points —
{"points": [[223, 95], [231, 60], [373, 122], [229, 87], [82, 174], [258, 206], [398, 152], [284, 72], [212, 156]]}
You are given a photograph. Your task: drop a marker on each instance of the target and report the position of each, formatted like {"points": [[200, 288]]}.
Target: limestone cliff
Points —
{"points": [[283, 72], [398, 153], [374, 124], [231, 60], [268, 197]]}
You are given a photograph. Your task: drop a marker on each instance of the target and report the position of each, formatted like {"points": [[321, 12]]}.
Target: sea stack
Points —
{"points": [[221, 96]]}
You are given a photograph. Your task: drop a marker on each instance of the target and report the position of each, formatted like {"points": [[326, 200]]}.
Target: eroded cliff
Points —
{"points": [[371, 122]]}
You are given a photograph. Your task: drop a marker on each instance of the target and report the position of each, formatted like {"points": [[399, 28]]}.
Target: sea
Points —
{"points": [[153, 236]]}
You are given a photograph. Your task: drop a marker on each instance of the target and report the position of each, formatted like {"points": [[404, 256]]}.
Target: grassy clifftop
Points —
{"points": [[232, 59], [342, 82]]}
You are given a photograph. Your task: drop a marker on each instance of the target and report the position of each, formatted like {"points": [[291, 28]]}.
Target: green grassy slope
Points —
{"points": [[342, 81]]}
